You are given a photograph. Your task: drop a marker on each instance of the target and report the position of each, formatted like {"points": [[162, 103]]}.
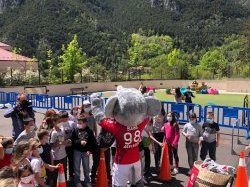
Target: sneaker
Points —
{"points": [[78, 185], [171, 167], [144, 181], [175, 171], [88, 185]]}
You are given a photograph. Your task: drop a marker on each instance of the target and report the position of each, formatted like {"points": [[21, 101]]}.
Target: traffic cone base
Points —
{"points": [[165, 174], [102, 179], [61, 182]]}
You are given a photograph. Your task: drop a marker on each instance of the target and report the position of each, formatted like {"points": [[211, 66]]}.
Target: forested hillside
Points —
{"points": [[105, 27]]}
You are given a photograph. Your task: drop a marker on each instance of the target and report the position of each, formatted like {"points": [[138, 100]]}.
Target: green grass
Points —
{"points": [[203, 99]]}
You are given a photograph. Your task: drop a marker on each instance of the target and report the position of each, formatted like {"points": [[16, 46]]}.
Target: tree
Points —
{"points": [[143, 49], [179, 63], [52, 78], [72, 59], [214, 62]]}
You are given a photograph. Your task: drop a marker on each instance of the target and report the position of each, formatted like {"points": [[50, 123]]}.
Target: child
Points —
{"points": [[38, 165], [67, 127], [29, 130], [25, 176], [84, 142], [247, 148], [22, 155], [73, 114], [58, 143], [210, 138], [172, 136], [46, 156], [192, 131], [158, 123], [7, 144], [144, 145]]}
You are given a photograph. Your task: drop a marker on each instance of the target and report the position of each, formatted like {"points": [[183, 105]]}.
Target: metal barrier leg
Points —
{"points": [[4, 107], [232, 142]]}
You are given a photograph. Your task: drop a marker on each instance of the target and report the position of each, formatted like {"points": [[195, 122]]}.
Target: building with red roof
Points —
{"points": [[12, 60]]}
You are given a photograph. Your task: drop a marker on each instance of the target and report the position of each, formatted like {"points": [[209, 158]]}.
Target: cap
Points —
{"points": [[28, 119], [86, 102]]}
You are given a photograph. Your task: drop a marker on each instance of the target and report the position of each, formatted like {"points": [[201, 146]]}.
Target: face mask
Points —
{"points": [[32, 128], [27, 180], [47, 141], [193, 122], [60, 125], [9, 151], [210, 121], [63, 124], [74, 112], [40, 149], [80, 126], [169, 119], [87, 109], [45, 126]]}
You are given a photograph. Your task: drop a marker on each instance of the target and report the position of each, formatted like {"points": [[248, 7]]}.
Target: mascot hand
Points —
{"points": [[97, 108], [96, 100]]}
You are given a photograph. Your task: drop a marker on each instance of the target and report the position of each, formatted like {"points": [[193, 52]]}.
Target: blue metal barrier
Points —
{"points": [[8, 98], [12, 97], [183, 110], [227, 116], [3, 99], [67, 102], [41, 101]]}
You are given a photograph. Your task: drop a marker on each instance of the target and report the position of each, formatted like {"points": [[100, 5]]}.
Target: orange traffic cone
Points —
{"points": [[61, 182], [165, 173], [102, 179], [241, 177]]}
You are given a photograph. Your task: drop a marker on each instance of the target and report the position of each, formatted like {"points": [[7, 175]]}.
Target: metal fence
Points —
{"points": [[225, 116]]}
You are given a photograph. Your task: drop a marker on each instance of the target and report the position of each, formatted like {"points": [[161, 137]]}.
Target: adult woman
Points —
{"points": [[86, 112], [178, 95]]}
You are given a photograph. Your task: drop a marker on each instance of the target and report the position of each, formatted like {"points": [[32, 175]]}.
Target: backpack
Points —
{"points": [[105, 139]]}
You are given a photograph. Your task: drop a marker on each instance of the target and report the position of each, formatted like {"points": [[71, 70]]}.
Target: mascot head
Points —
{"points": [[129, 107]]}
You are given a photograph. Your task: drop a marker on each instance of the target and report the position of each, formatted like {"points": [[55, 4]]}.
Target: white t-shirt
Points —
{"points": [[68, 128], [38, 166], [59, 152]]}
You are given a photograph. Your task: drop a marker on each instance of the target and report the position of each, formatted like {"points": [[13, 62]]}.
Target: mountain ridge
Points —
{"points": [[103, 26]]}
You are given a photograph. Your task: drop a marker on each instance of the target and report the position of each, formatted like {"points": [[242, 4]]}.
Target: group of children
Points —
{"points": [[69, 139], [62, 138]]}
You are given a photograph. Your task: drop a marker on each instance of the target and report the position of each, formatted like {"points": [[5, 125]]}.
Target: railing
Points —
{"points": [[236, 124], [182, 110], [223, 114]]}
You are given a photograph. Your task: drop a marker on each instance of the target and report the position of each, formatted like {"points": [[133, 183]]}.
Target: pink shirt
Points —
{"points": [[127, 140], [172, 134]]}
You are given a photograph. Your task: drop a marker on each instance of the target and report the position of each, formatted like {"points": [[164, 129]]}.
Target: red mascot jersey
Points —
{"points": [[127, 140]]}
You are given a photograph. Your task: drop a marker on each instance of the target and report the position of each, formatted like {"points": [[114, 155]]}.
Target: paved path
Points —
{"points": [[223, 153]]}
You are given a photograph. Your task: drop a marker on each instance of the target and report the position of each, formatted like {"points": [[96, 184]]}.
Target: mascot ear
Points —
{"points": [[154, 106], [109, 107]]}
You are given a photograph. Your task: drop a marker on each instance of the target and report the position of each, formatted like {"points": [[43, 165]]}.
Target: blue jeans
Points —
{"points": [[78, 157]]}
